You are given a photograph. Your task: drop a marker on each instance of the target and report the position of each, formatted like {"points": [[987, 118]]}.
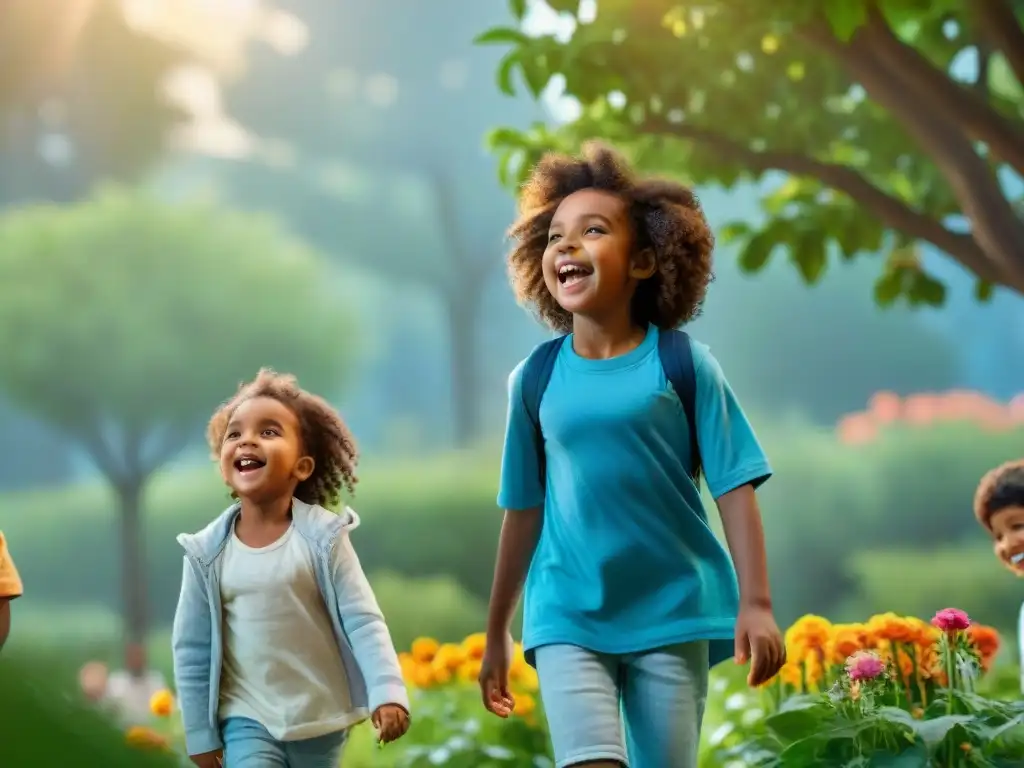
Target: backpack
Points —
{"points": [[676, 359]]}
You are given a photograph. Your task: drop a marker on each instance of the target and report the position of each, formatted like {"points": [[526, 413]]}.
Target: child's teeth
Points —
{"points": [[1018, 558]]}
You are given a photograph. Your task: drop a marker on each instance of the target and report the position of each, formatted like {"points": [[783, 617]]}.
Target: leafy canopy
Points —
{"points": [[846, 107], [124, 320]]}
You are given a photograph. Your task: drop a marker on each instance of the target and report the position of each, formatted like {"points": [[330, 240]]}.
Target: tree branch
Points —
{"points": [[889, 210], [995, 225], [998, 23], [960, 105]]}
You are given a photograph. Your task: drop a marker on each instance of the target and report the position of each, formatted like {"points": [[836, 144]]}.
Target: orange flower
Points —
{"points": [[474, 645], [895, 629], [845, 641], [424, 648], [885, 407], [161, 703], [809, 633], [986, 642], [857, 429]]}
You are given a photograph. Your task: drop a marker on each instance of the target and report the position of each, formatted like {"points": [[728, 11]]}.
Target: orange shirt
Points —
{"points": [[10, 582]]}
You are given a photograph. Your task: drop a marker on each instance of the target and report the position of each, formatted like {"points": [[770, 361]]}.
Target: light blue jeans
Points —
{"points": [[247, 744], [642, 710]]}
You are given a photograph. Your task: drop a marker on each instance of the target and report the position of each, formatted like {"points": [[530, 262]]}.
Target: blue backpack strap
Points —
{"points": [[536, 375], [677, 360]]}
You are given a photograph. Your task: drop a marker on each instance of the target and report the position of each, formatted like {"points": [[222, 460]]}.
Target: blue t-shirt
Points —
{"points": [[626, 561]]}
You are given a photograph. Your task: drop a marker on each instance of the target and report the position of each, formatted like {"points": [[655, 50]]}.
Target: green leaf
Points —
{"points": [[793, 724], [888, 288], [933, 732], [504, 77], [517, 8], [926, 290], [914, 757], [895, 716], [734, 230], [810, 257], [501, 36], [536, 74], [983, 291], [757, 251], [844, 16]]}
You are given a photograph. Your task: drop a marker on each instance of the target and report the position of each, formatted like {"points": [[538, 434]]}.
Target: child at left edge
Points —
{"points": [[279, 645]]}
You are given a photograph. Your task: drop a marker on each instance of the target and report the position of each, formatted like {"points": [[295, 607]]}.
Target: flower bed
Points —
{"points": [[894, 691]]}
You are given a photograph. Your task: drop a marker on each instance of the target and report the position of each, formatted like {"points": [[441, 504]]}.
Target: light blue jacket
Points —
{"points": [[370, 661]]}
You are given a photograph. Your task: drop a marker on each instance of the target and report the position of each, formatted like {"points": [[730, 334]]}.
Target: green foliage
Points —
{"points": [[124, 315], [966, 574], [726, 92], [44, 725]]}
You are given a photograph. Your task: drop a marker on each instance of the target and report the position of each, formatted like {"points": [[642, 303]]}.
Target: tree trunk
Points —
{"points": [[462, 307], [133, 564]]}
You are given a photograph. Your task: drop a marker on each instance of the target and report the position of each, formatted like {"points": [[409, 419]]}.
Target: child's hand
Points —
{"points": [[208, 759], [494, 676], [759, 640], [391, 722]]}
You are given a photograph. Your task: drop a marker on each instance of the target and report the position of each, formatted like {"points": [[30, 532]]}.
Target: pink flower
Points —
{"points": [[951, 620], [864, 665]]}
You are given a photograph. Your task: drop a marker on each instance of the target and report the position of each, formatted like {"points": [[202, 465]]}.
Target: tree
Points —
{"points": [[124, 321], [386, 128], [861, 103], [80, 98]]}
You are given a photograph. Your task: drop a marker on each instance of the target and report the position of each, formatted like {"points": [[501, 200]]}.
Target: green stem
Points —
{"points": [[949, 679]]}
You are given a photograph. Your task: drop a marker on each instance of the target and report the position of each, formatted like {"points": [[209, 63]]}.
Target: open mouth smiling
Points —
{"points": [[1017, 560], [572, 272], [249, 463]]}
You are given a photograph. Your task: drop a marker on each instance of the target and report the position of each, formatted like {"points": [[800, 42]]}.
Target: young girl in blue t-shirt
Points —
{"points": [[630, 598]]}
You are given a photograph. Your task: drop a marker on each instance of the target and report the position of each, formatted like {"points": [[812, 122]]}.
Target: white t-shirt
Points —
{"points": [[129, 696], [282, 666]]}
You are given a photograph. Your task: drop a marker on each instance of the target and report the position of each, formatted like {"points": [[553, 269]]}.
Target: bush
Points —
{"points": [[918, 583]]}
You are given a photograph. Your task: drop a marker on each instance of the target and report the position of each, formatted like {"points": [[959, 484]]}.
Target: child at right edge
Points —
{"points": [[999, 507], [630, 597]]}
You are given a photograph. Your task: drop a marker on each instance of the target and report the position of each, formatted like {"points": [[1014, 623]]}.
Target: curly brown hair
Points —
{"points": [[324, 435], [666, 217], [999, 489]]}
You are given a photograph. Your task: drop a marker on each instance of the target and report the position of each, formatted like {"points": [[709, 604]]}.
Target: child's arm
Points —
{"points": [[364, 625], [10, 588], [734, 465], [191, 644], [520, 530]]}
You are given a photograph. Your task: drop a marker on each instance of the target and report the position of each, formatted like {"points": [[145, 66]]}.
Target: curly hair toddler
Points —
{"points": [[279, 644]]}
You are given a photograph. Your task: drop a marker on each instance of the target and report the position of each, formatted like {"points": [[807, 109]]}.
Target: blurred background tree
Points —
{"points": [[124, 321]]}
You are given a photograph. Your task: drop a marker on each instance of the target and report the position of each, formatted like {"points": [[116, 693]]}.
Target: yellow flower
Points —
{"points": [[525, 704], [791, 673], [523, 677], [474, 645], [450, 656], [440, 672], [422, 676], [424, 648], [469, 671], [145, 738], [809, 634], [161, 703], [795, 71], [769, 44], [845, 641], [895, 629]]}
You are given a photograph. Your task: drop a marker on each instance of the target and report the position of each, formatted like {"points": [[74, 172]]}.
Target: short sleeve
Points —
{"points": [[520, 486], [10, 582], [730, 452]]}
